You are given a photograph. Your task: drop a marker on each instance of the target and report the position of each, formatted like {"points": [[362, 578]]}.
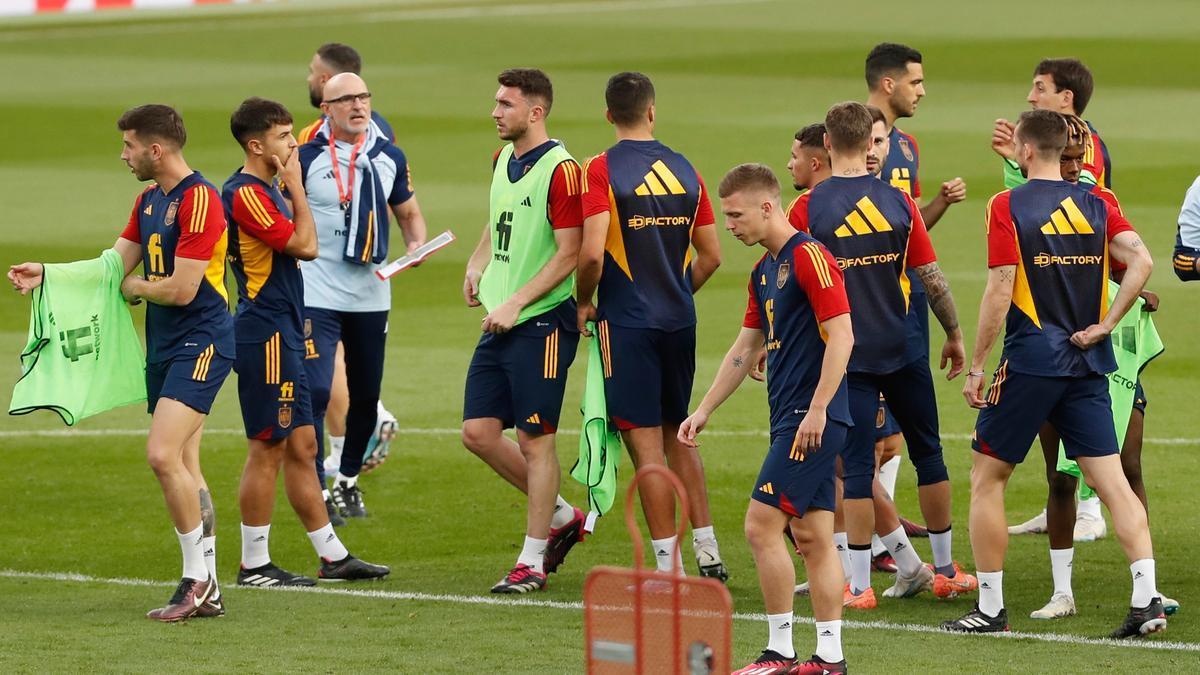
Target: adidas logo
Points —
{"points": [[841, 548], [1067, 219], [767, 488], [662, 552], [209, 551], [526, 202], [149, 209], [533, 419], [865, 219], [1137, 576], [785, 624], [330, 538], [900, 547], [659, 181], [986, 586], [827, 633], [259, 538]]}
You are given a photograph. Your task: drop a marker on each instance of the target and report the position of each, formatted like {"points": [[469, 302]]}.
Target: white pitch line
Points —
{"points": [[448, 431], [1157, 645]]}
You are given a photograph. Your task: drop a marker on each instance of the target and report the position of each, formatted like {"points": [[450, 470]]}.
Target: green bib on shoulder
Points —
{"points": [[522, 238]]}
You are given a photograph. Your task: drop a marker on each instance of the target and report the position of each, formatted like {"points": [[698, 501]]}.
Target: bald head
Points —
{"points": [[347, 103]]}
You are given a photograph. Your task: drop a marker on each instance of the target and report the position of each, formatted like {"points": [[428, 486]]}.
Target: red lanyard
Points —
{"points": [[347, 194]]}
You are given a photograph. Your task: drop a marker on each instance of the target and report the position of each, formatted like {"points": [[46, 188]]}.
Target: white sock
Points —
{"points": [[209, 546], [327, 544], [665, 558], [256, 545], [1061, 561], [889, 471], [348, 481], [860, 568], [780, 640], [701, 533], [325, 494], [907, 560], [843, 551], [334, 457], [1089, 507], [193, 553], [991, 592], [563, 514], [533, 553], [943, 561], [877, 546], [1144, 584], [829, 641]]}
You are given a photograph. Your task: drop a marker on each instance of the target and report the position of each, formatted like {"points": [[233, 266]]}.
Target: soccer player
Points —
{"points": [[1064, 86], [875, 231], [522, 275], [1049, 242], [896, 84], [797, 308], [177, 232], [266, 245], [1058, 519], [353, 176], [1187, 236], [332, 59], [645, 208]]}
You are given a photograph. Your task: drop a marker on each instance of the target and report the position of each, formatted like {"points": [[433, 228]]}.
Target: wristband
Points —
{"points": [[974, 374]]}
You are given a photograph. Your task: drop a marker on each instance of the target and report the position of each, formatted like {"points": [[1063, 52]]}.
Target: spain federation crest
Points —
{"points": [[782, 276], [172, 209], [905, 148], [285, 416]]}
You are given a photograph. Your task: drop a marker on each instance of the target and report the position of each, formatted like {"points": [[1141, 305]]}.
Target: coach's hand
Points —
{"points": [[1003, 140], [471, 288], [759, 371], [973, 389], [808, 434], [585, 312], [693, 425], [954, 191], [955, 354], [26, 276], [1090, 336], [502, 319]]}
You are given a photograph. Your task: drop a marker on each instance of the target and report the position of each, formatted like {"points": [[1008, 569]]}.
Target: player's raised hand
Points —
{"points": [[1003, 139], [810, 431], [954, 191], [471, 288], [973, 390], [759, 372], [690, 427], [289, 171], [954, 353], [1090, 336], [585, 312], [26, 276]]}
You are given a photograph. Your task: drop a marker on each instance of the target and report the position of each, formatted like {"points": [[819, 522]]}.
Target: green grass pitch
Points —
{"points": [[734, 81]]}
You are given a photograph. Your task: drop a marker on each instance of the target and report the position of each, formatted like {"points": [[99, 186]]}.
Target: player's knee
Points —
{"points": [[1062, 485], [476, 437], [163, 459], [930, 467]]}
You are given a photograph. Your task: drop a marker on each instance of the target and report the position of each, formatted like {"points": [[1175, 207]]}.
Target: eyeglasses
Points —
{"points": [[349, 98]]}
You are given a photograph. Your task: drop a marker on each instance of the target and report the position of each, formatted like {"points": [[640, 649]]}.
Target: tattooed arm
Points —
{"points": [[208, 516], [942, 304], [993, 308], [733, 369]]}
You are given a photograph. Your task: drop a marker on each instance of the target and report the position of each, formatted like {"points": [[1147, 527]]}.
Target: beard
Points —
{"points": [[314, 98]]}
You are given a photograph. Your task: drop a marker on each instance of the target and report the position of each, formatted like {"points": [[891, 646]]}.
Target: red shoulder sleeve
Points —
{"points": [[704, 209], [201, 223], [496, 156], [1117, 223], [752, 319], [565, 208], [595, 187], [132, 232], [797, 213], [821, 278], [920, 248], [255, 213], [1001, 232]]}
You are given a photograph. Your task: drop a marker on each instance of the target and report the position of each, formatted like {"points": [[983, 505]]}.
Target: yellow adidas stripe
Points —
{"points": [[255, 206]]}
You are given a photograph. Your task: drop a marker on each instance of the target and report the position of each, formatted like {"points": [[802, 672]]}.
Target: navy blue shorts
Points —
{"points": [[1139, 397], [519, 377], [1079, 408], [192, 380], [793, 482], [885, 424], [272, 389], [647, 374]]}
